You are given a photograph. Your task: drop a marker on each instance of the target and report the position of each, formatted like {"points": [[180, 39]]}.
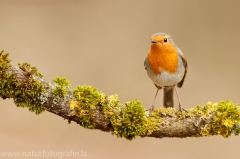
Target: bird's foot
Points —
{"points": [[181, 109], [151, 109]]}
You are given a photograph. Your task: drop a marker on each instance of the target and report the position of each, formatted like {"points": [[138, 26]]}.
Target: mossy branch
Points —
{"points": [[92, 109]]}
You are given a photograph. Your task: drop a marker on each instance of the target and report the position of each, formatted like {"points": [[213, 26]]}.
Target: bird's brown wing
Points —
{"points": [[145, 63], [185, 65]]}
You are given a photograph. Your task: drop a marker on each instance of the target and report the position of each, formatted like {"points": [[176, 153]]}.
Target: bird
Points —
{"points": [[166, 66]]}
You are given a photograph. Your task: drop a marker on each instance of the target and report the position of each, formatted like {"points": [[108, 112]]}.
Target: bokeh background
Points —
{"points": [[104, 43]]}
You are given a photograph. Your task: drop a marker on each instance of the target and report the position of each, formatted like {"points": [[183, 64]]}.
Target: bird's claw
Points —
{"points": [[151, 109], [181, 109]]}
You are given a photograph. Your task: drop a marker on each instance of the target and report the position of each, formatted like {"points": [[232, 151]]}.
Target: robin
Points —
{"points": [[166, 66]]}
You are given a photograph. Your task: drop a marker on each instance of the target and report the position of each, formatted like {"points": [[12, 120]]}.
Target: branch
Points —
{"points": [[92, 109]]}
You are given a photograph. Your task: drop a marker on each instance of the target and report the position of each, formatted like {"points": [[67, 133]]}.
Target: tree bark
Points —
{"points": [[195, 122]]}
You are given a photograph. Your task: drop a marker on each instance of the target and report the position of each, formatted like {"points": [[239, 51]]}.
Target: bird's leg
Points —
{"points": [[180, 105], [152, 107]]}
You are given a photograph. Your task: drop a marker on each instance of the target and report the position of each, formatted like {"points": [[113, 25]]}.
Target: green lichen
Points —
{"points": [[127, 120], [60, 89], [225, 121], [25, 93], [28, 96], [8, 82], [111, 108], [87, 97], [133, 120], [62, 81]]}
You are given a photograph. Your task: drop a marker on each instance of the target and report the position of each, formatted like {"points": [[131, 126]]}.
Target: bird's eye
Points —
{"points": [[165, 40]]}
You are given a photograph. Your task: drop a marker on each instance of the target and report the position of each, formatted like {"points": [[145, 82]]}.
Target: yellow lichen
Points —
{"points": [[225, 121]]}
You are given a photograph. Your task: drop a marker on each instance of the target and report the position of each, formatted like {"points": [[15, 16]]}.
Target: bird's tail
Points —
{"points": [[168, 96]]}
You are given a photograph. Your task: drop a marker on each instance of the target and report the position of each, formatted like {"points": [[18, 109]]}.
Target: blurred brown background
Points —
{"points": [[104, 43]]}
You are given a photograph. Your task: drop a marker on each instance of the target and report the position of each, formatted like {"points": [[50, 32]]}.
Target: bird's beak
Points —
{"points": [[153, 41]]}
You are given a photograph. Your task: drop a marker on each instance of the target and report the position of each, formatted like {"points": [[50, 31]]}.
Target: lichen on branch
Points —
{"points": [[92, 109]]}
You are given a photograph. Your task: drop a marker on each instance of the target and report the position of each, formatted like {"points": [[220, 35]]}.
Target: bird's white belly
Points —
{"points": [[166, 78]]}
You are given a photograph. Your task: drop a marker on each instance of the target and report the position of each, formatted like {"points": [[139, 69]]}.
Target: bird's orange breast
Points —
{"points": [[163, 59]]}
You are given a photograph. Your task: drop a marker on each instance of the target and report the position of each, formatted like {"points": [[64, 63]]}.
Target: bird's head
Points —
{"points": [[161, 41]]}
